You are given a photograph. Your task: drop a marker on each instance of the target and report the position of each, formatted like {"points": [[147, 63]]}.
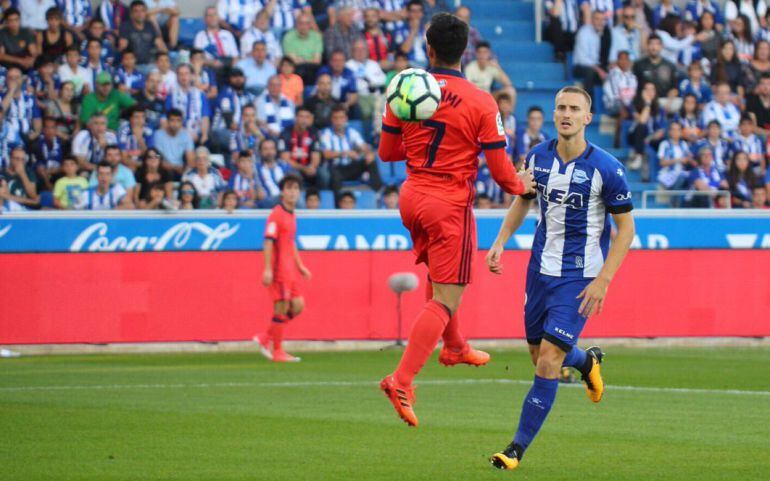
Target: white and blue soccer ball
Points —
{"points": [[413, 95]]}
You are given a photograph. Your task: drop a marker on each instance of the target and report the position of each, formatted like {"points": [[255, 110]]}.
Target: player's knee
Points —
{"points": [[281, 308], [448, 294], [297, 305], [549, 361], [534, 352]]}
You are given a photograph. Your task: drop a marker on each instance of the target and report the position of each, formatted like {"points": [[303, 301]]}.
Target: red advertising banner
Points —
{"points": [[217, 296]]}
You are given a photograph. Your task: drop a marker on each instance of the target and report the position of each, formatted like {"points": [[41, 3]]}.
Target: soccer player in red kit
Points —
{"points": [[282, 267], [437, 198]]}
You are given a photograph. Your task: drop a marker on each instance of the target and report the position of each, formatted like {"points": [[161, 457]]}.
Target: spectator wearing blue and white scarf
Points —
{"points": [[275, 112], [128, 78], [192, 103], [216, 42], [270, 171]]}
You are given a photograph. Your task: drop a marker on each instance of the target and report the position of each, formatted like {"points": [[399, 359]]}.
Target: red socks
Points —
{"points": [[426, 332], [452, 337], [275, 331]]}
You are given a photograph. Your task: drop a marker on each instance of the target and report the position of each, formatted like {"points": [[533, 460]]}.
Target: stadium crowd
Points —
{"points": [[689, 85], [104, 107]]}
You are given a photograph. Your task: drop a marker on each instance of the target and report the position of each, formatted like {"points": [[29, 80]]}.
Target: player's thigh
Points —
{"points": [[536, 289], [448, 294], [564, 323], [451, 243], [281, 308]]}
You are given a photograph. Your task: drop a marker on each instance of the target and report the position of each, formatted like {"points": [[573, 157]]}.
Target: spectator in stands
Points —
{"points": [[690, 52], [758, 104], [112, 102], [238, 85], [148, 100], [665, 8], [284, 13], [299, 149], [463, 12], [19, 106], [292, 85], [759, 197], [47, 151], [154, 199], [21, 180], [96, 31], [343, 82], [410, 36], [128, 78], [588, 52], [720, 147], [486, 185], [723, 110], [696, 8], [432, 7], [392, 13], [121, 174], [349, 157], [305, 47], [505, 105], [67, 189], [563, 19], [760, 63], [226, 113], [742, 36], [746, 141], [346, 201], [695, 84], [741, 180], [705, 178], [94, 63], [71, 71], [627, 37], [164, 15], [76, 15], [230, 202], [219, 44], [486, 74], [370, 79], [674, 157], [257, 68], [390, 197], [89, 144], [33, 13], [607, 8], [54, 40], [247, 136], [270, 171], [104, 194], [65, 111], [113, 13], [152, 173], [187, 197], [654, 68], [134, 137], [260, 32], [341, 35], [175, 144], [619, 91], [167, 74], [483, 201], [203, 77], [140, 36], [44, 82], [245, 182], [531, 135], [189, 99], [378, 41], [730, 70], [689, 119], [275, 112], [753, 10], [207, 180], [18, 47], [710, 35], [649, 124], [312, 198], [236, 16]]}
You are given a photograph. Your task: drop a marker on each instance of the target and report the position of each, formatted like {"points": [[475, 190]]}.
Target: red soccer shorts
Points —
{"points": [[284, 290], [443, 235]]}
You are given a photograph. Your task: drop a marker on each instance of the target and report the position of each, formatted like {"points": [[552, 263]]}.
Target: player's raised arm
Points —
{"points": [[391, 147]]}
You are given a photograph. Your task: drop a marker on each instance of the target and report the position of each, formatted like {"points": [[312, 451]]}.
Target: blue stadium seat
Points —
{"points": [[365, 199], [358, 126], [327, 199], [188, 27]]}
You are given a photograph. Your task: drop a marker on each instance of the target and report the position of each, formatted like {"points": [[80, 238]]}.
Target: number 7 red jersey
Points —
{"points": [[442, 152]]}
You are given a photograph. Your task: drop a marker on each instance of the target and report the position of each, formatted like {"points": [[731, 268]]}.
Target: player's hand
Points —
{"points": [[527, 178], [306, 274], [267, 277], [493, 259], [593, 297]]}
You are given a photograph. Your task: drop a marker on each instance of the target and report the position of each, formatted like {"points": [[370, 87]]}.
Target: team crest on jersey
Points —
{"points": [[272, 229], [500, 129], [441, 83], [579, 176]]}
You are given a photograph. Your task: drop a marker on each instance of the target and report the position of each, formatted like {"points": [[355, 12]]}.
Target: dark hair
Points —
{"points": [[196, 51], [161, 54], [714, 122], [700, 20], [141, 172], [137, 3], [96, 20], [654, 36], [290, 179], [103, 164], [266, 140], [734, 176], [639, 101], [112, 147], [624, 52], [534, 108], [304, 108], [390, 189], [337, 51], [10, 12], [48, 118], [67, 158], [669, 24], [483, 44], [411, 3], [339, 108], [126, 51], [682, 113], [53, 12], [503, 96], [287, 60], [175, 113], [400, 54], [764, 76], [72, 48], [312, 191], [93, 40], [196, 200], [746, 36], [746, 118], [230, 192], [135, 109], [343, 194], [482, 196], [448, 37]]}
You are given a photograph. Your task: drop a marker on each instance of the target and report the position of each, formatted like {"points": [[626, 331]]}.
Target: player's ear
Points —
{"points": [[589, 117]]}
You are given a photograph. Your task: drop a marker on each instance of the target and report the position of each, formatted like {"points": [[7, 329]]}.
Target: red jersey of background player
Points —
{"points": [[281, 228], [447, 146]]}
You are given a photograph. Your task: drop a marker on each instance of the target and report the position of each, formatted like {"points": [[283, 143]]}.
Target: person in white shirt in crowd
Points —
{"points": [[674, 156], [347, 155], [723, 110], [166, 73], [164, 15], [753, 9], [237, 15], [627, 36], [260, 32], [207, 180], [33, 13], [219, 44], [619, 91], [256, 68], [370, 79], [89, 144], [275, 112], [608, 9], [72, 71], [270, 171], [193, 104], [587, 55], [121, 175], [104, 195]]}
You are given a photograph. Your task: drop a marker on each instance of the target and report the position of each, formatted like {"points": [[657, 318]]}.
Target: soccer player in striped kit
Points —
{"points": [[572, 262]]}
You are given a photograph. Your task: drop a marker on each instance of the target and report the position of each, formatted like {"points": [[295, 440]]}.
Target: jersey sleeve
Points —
{"points": [[491, 130], [390, 123], [272, 227], [391, 146], [615, 191]]}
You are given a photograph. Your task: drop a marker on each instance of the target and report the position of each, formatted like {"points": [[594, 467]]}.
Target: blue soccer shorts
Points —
{"points": [[551, 309]]}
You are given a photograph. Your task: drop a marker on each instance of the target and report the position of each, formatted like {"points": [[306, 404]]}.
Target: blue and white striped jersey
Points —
{"points": [[575, 199]]}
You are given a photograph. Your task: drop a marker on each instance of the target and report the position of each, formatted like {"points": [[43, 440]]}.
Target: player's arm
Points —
{"points": [[300, 265], [391, 147], [594, 293], [513, 220], [267, 251]]}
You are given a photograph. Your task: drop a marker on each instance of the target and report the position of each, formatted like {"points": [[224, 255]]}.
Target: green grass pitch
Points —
{"points": [[675, 414]]}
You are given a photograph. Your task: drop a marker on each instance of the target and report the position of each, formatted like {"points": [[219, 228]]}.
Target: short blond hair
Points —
{"points": [[572, 89]]}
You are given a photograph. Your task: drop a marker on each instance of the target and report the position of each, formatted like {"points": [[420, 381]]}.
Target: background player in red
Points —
{"points": [[436, 201], [282, 267]]}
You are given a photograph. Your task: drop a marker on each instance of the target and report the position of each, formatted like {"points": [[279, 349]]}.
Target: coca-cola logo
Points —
{"points": [[190, 235]]}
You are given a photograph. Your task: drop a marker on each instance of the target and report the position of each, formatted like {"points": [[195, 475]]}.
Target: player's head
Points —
{"points": [[447, 38], [572, 111], [291, 188]]}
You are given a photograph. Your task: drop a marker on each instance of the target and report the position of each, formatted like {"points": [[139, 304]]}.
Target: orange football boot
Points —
{"points": [[280, 355], [401, 397], [467, 355]]}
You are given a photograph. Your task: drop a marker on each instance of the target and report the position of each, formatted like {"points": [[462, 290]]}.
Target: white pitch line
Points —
{"points": [[437, 382]]}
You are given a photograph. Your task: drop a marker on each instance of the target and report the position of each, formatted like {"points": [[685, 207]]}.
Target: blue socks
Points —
{"points": [[536, 407], [575, 358]]}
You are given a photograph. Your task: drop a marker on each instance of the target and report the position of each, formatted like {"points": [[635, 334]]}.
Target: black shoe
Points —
{"points": [[507, 459]]}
